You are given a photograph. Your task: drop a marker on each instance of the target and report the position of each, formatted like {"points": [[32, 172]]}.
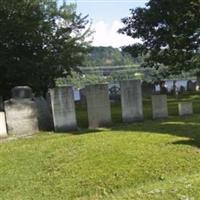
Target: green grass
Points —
{"points": [[140, 161]]}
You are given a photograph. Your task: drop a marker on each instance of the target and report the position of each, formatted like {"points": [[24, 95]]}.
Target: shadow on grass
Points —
{"points": [[190, 142], [187, 127], [83, 131]]}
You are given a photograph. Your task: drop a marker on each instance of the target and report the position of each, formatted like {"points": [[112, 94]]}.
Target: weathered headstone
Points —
{"points": [[63, 109], [1, 104], [45, 120], [22, 92], [159, 106], [185, 108], [191, 86], [131, 100], [98, 105], [3, 129], [21, 116], [21, 112]]}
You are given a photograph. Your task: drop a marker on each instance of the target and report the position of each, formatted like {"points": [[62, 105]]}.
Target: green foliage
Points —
{"points": [[170, 33], [39, 42], [150, 160], [109, 56], [125, 75], [79, 80]]}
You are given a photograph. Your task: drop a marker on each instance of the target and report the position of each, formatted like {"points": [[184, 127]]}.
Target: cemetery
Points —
{"points": [[25, 114], [99, 100], [147, 142]]}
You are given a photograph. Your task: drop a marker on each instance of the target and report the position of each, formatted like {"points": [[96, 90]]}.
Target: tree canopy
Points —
{"points": [[39, 41], [169, 31]]}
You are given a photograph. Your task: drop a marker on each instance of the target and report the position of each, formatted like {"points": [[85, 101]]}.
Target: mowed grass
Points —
{"points": [[150, 160]]}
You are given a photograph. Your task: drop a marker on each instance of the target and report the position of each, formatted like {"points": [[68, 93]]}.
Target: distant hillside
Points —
{"points": [[109, 56]]}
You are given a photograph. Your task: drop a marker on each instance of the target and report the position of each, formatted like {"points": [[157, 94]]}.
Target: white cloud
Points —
{"points": [[107, 35]]}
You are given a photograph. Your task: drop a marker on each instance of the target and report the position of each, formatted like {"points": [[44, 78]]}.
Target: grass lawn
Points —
{"points": [[140, 161]]}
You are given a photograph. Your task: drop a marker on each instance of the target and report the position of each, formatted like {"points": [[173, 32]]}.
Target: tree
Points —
{"points": [[39, 42], [170, 34]]}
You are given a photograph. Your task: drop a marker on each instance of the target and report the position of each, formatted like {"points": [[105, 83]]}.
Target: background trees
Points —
{"points": [[39, 42], [109, 56], [169, 32]]}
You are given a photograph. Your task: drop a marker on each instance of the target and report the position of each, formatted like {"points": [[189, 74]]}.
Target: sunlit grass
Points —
{"points": [[150, 160]]}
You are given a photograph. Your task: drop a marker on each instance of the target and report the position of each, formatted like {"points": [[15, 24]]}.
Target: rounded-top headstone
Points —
{"points": [[22, 92]]}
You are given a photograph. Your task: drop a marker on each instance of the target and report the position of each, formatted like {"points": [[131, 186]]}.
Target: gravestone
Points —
{"points": [[63, 109], [22, 92], [191, 86], [44, 115], [21, 112], [182, 89], [159, 106], [185, 108], [1, 104], [3, 129], [98, 105], [131, 100]]}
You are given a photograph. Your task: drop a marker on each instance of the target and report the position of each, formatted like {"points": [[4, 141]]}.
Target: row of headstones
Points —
{"points": [[99, 109], [23, 112]]}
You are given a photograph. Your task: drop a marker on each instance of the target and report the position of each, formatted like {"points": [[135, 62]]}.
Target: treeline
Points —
{"points": [[109, 56]]}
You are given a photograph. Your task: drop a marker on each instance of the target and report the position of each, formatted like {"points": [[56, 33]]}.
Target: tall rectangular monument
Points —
{"points": [[63, 109], [98, 105], [131, 100]]}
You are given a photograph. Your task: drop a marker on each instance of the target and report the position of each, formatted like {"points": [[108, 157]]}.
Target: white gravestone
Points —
{"points": [[63, 109]]}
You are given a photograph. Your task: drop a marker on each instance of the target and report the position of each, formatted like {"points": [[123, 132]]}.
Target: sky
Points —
{"points": [[106, 18]]}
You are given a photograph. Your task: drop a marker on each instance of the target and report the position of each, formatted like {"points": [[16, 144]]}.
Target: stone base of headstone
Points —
{"points": [[3, 129], [185, 108], [63, 109], [45, 120], [21, 116], [131, 100], [159, 106], [98, 106]]}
